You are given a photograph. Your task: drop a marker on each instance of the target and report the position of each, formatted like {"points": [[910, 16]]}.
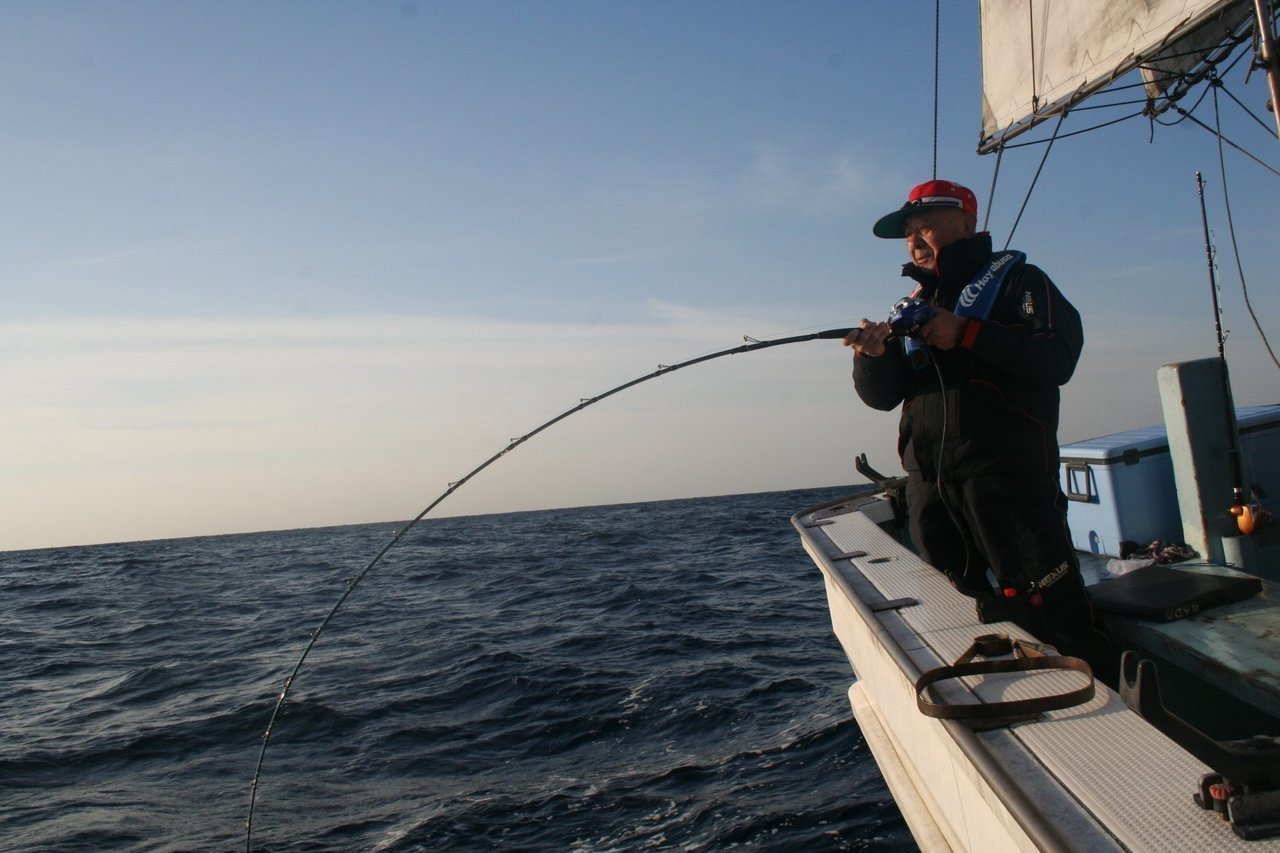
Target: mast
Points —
{"points": [[1269, 60]]}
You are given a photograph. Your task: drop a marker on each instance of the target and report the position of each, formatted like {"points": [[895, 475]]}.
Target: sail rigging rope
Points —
{"points": [[1215, 83], [1056, 135], [751, 346], [1228, 141], [1061, 117], [1145, 102], [1031, 40], [1271, 131], [991, 194], [1215, 78]]}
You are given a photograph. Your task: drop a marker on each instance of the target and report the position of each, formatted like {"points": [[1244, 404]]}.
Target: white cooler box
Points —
{"points": [[1120, 487]]}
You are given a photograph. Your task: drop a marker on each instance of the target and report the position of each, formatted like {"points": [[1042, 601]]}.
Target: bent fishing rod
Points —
{"points": [[751, 345]]}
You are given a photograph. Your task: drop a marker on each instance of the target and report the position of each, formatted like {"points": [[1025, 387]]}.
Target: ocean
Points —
{"points": [[641, 676]]}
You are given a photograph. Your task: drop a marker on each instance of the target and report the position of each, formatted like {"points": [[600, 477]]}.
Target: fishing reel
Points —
{"points": [[909, 314]]}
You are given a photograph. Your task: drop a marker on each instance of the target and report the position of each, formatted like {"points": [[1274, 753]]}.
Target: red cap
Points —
{"points": [[929, 194]]}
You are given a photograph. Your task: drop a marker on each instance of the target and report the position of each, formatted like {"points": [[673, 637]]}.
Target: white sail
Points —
{"points": [[1039, 56]]}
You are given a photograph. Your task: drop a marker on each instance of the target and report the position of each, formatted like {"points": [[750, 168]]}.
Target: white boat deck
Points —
{"points": [[1092, 777]]}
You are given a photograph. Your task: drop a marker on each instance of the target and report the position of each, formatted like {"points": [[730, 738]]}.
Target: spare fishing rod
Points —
{"points": [[751, 345], [1242, 511]]}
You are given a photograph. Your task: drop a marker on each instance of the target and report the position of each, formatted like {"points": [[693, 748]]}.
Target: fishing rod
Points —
{"points": [[1241, 510], [751, 345]]}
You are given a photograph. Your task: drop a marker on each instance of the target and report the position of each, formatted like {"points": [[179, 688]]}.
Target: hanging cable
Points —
{"points": [[937, 53], [751, 346]]}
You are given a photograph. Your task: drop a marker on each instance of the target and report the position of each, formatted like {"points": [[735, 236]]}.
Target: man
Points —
{"points": [[978, 433]]}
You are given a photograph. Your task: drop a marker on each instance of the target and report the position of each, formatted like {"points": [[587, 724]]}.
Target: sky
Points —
{"points": [[288, 264]]}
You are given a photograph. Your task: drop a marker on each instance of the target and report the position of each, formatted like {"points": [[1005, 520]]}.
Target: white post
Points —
{"points": [[1196, 417]]}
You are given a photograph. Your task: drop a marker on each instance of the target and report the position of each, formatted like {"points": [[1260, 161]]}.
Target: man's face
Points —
{"points": [[933, 228]]}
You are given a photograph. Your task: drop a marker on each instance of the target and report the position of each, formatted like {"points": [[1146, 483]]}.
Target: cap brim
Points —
{"points": [[891, 226]]}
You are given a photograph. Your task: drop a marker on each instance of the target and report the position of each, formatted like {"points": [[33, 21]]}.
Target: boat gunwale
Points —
{"points": [[1011, 794]]}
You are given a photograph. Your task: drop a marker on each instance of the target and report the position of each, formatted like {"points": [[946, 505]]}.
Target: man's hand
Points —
{"points": [[869, 339], [944, 331]]}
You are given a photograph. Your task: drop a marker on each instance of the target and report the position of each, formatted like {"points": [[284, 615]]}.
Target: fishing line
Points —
{"points": [[663, 369]]}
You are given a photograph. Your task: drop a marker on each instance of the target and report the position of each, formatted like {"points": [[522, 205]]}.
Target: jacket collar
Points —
{"points": [[958, 263]]}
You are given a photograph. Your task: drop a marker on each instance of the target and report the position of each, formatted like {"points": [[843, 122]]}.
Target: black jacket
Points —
{"points": [[999, 409]]}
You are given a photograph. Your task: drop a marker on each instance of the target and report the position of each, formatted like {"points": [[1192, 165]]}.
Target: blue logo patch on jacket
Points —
{"points": [[979, 295]]}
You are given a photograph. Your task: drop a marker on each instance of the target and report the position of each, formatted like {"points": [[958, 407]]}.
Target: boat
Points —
{"points": [[987, 738]]}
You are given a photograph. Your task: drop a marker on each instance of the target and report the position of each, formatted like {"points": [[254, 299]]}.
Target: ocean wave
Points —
{"points": [[604, 678]]}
